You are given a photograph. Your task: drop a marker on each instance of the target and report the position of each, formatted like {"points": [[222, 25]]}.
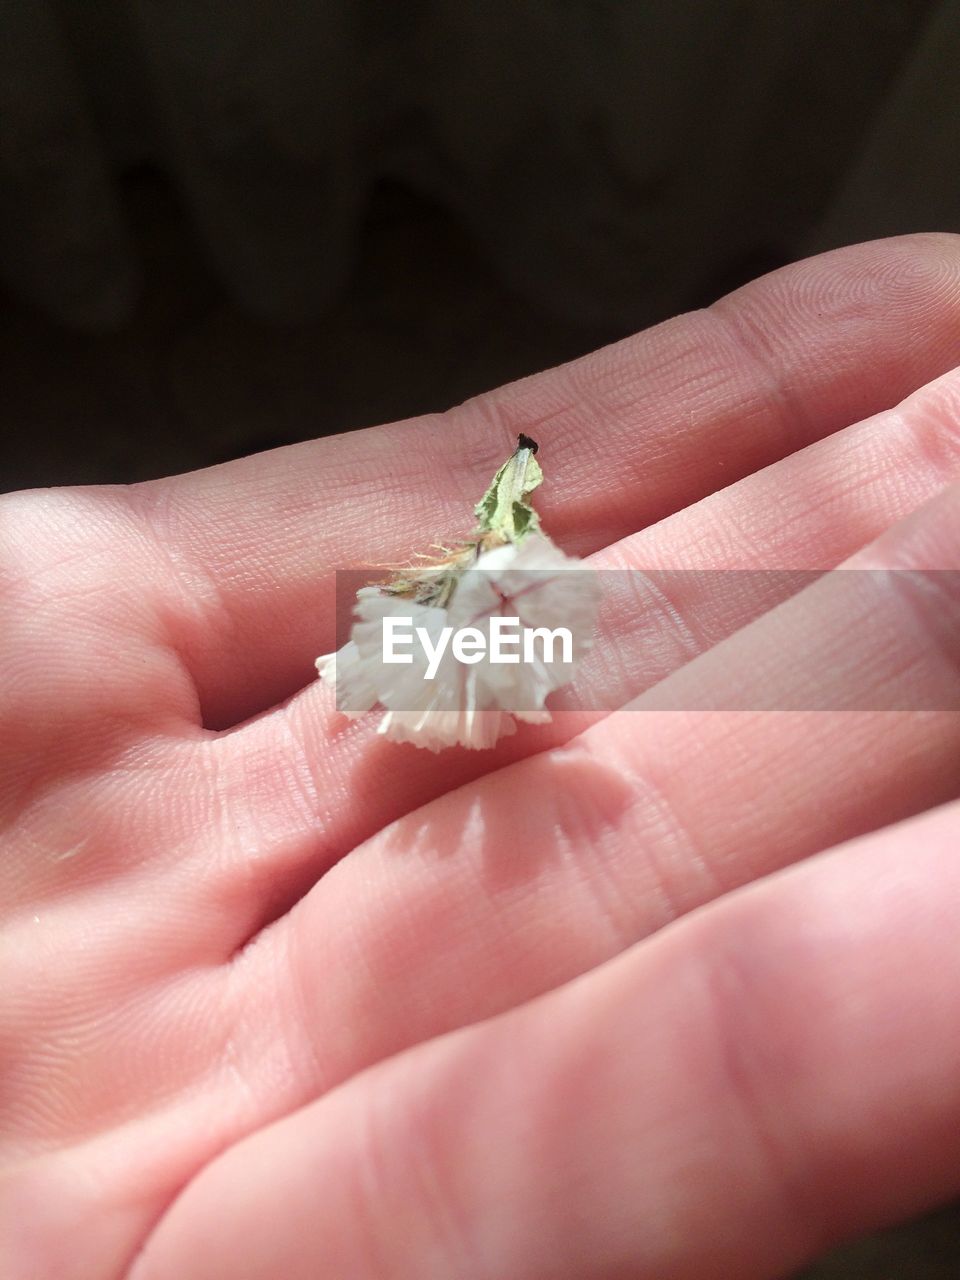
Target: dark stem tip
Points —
{"points": [[525, 442]]}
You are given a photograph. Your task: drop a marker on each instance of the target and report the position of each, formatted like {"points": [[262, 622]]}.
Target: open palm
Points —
{"points": [[222, 903]]}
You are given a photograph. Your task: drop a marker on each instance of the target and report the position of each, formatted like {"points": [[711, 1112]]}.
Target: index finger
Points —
{"points": [[630, 434]]}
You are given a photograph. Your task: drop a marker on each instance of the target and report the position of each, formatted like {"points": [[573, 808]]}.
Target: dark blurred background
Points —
{"points": [[231, 224]]}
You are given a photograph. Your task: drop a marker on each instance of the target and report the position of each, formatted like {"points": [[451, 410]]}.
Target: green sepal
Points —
{"points": [[504, 509]]}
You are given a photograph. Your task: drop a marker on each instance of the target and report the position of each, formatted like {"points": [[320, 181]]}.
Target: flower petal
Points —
{"points": [[470, 704]]}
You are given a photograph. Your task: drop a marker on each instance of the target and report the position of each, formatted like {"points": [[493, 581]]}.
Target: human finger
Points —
{"points": [[772, 1075], [634, 432]]}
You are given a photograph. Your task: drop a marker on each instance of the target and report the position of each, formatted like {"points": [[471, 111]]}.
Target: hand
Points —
{"points": [[280, 999]]}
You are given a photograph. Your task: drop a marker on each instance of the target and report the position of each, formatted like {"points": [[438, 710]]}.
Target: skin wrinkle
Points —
{"points": [[159, 1199], [809, 485], [446, 1224], [270, 887], [618, 384], [403, 475], [931, 599], [468, 1080], [793, 421], [932, 415], [302, 1044], [493, 410], [309, 785], [619, 915], [674, 853], [371, 1179], [298, 1071], [689, 391], [667, 615], [587, 1066], [83, 1035], [933, 437], [196, 617], [932, 270], [582, 818], [142, 1010], [183, 619], [780, 967], [117, 754], [131, 610], [733, 977]]}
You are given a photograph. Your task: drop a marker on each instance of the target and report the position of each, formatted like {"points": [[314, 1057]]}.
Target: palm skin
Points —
{"points": [[221, 902]]}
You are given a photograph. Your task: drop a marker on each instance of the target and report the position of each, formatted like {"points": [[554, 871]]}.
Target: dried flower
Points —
{"points": [[508, 600]]}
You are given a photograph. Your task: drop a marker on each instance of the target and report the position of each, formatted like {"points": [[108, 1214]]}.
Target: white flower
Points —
{"points": [[470, 704]]}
